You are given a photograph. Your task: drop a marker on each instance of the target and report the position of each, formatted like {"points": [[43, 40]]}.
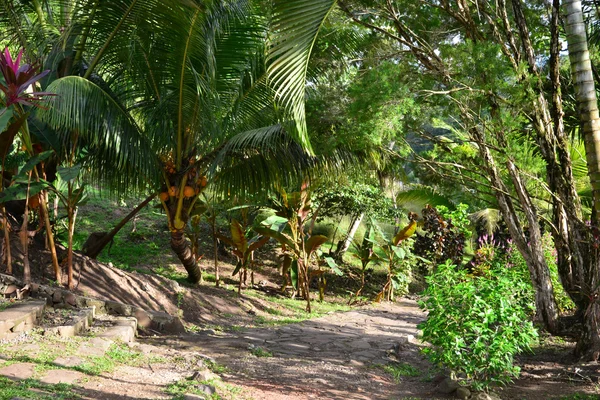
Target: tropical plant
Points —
{"points": [[477, 324], [243, 247], [17, 101], [204, 96], [399, 258], [287, 226]]}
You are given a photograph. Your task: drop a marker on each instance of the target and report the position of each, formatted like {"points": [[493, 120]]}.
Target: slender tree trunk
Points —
{"points": [[213, 225], [351, 232], [588, 345], [7, 250], [43, 209], [97, 247], [72, 217], [181, 247]]}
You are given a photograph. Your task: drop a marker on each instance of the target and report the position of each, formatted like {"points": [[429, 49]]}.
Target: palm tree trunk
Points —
{"points": [[588, 345], [181, 247], [94, 250]]}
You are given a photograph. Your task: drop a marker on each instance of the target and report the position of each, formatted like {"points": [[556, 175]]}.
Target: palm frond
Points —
{"points": [[416, 198], [121, 153], [488, 219], [295, 27]]}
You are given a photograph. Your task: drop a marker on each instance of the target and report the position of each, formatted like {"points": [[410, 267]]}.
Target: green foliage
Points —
{"points": [[477, 324], [33, 389], [515, 259]]}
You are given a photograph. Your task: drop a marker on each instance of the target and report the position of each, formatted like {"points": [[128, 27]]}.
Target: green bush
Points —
{"points": [[476, 324]]}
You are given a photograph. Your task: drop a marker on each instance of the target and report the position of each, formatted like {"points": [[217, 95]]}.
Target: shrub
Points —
{"points": [[476, 324]]}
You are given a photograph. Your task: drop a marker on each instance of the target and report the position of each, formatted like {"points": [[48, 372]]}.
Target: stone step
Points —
{"points": [[81, 321], [118, 328], [20, 317]]}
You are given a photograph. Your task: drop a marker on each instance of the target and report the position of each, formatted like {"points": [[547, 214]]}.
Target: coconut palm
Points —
{"points": [[174, 94]]}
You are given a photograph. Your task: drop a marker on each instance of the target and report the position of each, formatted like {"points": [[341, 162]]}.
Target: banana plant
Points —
{"points": [[243, 248], [365, 253], [287, 227], [72, 195], [398, 257]]}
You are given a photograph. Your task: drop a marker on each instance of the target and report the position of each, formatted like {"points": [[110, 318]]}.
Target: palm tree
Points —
{"points": [[176, 92], [589, 343]]}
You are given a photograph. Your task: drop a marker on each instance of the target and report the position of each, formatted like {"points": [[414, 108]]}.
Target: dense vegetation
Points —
{"points": [[452, 137]]}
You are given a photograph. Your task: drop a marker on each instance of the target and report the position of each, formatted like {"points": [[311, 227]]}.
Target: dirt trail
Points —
{"points": [[338, 356]]}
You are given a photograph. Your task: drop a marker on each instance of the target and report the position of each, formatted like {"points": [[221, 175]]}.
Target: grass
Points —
{"points": [[400, 370], [260, 352], [33, 389], [186, 386], [581, 396]]}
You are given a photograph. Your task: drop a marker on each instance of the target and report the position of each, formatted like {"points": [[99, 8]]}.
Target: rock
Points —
{"points": [[203, 375], [190, 396], [71, 299], [57, 296], [207, 389], [18, 371], [406, 339], [174, 286], [447, 386], [35, 288], [463, 393], [9, 290], [485, 396], [56, 376]]}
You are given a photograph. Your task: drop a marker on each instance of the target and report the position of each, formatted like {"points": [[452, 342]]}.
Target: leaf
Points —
{"points": [[294, 273], [334, 267], [237, 268], [259, 243], [238, 236], [5, 115], [8, 135], [405, 233], [275, 220], [282, 238], [69, 174], [32, 162], [399, 251], [313, 243], [19, 191]]}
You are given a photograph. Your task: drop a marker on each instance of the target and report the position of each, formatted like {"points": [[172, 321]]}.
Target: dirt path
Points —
{"points": [[339, 356]]}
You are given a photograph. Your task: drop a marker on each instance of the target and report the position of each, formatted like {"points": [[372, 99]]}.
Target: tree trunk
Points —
{"points": [[71, 217], [353, 228], [7, 250], [97, 247], [181, 247], [588, 345], [585, 92]]}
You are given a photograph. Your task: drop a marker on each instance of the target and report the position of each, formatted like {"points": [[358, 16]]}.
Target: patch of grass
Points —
{"points": [[33, 389], [400, 370], [182, 387], [223, 390], [216, 367], [580, 396], [273, 311], [260, 352]]}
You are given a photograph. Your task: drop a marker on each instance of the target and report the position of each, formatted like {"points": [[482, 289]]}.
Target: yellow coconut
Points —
{"points": [[164, 196], [173, 191]]}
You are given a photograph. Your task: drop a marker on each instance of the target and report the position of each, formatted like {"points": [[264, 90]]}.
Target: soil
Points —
{"points": [[337, 356]]}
